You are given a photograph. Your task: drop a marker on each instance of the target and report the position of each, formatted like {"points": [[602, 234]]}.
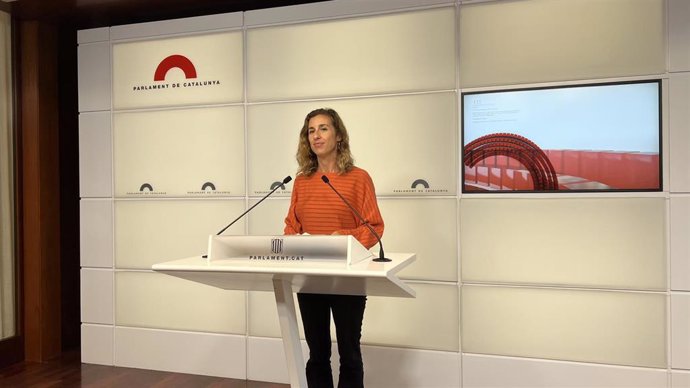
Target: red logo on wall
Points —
{"points": [[175, 61]]}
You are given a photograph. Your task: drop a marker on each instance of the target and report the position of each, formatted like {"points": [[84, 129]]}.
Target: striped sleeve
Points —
{"points": [[368, 208], [292, 224]]}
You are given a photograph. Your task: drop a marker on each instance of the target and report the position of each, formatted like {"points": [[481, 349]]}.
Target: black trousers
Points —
{"points": [[348, 313]]}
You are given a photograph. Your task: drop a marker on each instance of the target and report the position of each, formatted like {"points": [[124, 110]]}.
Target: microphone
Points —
{"points": [[286, 180], [382, 257]]}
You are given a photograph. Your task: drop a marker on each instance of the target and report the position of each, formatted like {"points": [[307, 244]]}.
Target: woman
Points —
{"points": [[324, 149]]}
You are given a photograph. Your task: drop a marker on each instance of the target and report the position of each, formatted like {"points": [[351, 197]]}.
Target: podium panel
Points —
{"points": [[287, 248], [366, 278], [287, 264]]}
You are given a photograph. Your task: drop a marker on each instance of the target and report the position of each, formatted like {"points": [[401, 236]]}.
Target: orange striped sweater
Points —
{"points": [[316, 209]]}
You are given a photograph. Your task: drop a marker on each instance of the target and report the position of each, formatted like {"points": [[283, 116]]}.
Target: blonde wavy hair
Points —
{"points": [[306, 158]]}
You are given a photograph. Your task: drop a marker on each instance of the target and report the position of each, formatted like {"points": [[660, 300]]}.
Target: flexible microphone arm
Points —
{"points": [[382, 257], [286, 180]]}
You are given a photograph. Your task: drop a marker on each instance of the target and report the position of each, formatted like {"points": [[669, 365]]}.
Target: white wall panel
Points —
{"points": [[182, 352], [384, 367], [427, 227], [510, 42], [680, 379], [576, 325], [331, 9], [430, 321], [96, 233], [97, 303], [95, 155], [208, 70], [266, 359], [680, 242], [272, 139], [97, 344], [390, 53], [145, 299], [180, 152], [93, 35], [94, 75], [678, 35], [588, 242], [680, 330], [398, 140], [479, 371], [263, 315], [679, 118], [150, 232], [177, 26]]}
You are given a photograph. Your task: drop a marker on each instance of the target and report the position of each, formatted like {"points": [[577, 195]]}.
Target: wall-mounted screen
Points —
{"points": [[594, 137]]}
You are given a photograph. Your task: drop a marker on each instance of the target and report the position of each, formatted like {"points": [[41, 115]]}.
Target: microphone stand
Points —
{"points": [[286, 180], [382, 257]]}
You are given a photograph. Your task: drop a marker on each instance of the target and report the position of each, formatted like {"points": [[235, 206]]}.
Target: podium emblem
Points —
{"points": [[277, 245]]}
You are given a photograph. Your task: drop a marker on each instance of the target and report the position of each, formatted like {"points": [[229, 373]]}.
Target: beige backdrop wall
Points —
{"points": [[581, 289]]}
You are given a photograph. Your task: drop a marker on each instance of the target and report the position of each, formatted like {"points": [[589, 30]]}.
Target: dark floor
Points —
{"points": [[67, 371]]}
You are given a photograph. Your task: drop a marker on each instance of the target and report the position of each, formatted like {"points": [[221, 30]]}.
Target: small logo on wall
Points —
{"points": [[277, 184], [208, 188], [277, 245], [420, 182], [420, 186], [273, 186], [146, 189], [175, 61]]}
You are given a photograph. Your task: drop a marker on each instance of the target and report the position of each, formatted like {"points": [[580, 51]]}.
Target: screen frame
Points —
{"points": [[660, 89]]}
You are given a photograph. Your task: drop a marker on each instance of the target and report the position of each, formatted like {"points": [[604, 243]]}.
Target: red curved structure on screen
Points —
{"points": [[175, 60], [519, 148]]}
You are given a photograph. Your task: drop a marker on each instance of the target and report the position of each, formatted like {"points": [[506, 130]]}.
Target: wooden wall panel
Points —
{"points": [[41, 190]]}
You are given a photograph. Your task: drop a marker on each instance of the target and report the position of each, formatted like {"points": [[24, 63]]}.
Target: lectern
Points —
{"points": [[287, 264]]}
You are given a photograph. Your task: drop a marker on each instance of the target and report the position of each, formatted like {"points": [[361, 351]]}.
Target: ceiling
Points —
{"points": [[102, 13]]}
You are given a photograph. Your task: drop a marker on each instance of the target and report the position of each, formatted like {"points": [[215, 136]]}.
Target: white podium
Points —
{"points": [[287, 264]]}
